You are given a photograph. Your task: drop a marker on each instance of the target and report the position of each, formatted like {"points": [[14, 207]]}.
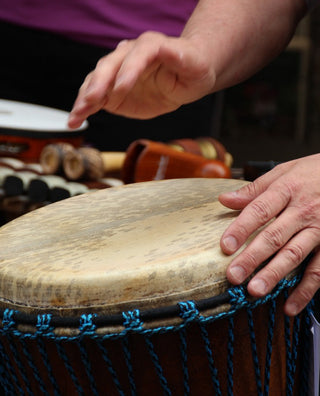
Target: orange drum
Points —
{"points": [[26, 128]]}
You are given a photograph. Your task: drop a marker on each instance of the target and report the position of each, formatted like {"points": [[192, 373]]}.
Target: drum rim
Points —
{"points": [[236, 297], [106, 320]]}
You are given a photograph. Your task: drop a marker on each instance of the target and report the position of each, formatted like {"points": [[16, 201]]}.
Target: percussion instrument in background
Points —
{"points": [[26, 128], [92, 164], [123, 291], [80, 163], [206, 146], [147, 160], [52, 155]]}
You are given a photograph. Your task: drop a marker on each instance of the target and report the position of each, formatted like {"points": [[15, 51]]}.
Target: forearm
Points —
{"points": [[239, 37]]}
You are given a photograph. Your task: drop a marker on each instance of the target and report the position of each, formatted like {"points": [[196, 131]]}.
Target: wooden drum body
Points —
{"points": [[25, 129], [123, 291]]}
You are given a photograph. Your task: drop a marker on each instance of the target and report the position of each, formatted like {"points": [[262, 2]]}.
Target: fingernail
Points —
{"points": [[292, 308], [78, 106], [230, 243], [73, 121], [122, 42], [259, 286], [119, 81], [238, 274], [230, 194]]}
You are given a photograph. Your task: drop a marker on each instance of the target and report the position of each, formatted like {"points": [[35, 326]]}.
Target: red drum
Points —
{"points": [[26, 128]]}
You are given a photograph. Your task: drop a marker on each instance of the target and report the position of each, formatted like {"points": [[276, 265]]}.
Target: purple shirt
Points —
{"points": [[99, 22]]}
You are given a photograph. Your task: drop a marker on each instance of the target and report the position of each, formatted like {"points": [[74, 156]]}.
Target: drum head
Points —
{"points": [[24, 119], [142, 245]]}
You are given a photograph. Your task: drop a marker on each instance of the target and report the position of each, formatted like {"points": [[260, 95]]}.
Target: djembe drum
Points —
{"points": [[123, 292]]}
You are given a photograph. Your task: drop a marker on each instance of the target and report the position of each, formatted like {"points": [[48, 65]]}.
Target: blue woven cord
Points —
{"points": [[44, 327], [131, 322], [190, 314], [230, 355], [213, 369], [64, 357], [254, 353], [9, 323], [128, 360], [134, 325], [46, 362], [110, 367], [33, 367], [271, 322], [7, 372], [184, 359], [87, 328], [158, 367]]}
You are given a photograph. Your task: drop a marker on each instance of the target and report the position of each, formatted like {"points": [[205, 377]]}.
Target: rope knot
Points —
{"points": [[188, 311], [132, 320], [8, 321], [86, 324], [43, 323], [238, 295]]}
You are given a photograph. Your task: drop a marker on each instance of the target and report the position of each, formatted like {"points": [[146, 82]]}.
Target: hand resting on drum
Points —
{"points": [[290, 193]]}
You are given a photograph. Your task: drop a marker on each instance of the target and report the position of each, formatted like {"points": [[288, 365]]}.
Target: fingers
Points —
{"points": [[306, 289], [260, 211], [140, 63], [288, 258], [240, 198], [93, 94], [117, 73], [289, 196]]}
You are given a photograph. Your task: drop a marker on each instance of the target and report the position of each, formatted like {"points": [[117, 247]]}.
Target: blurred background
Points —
{"points": [[275, 115], [272, 117]]}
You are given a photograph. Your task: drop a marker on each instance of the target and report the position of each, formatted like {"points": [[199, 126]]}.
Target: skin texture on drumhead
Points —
{"points": [[142, 245]]}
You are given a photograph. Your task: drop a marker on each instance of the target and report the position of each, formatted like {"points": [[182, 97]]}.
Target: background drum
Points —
{"points": [[26, 128], [123, 291]]}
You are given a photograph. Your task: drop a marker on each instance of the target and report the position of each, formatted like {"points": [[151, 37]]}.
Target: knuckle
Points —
{"points": [[294, 254], [273, 275], [307, 212], [303, 294], [150, 35], [284, 194], [251, 189], [261, 210], [242, 232], [291, 187], [250, 261], [101, 62], [313, 274], [274, 238]]}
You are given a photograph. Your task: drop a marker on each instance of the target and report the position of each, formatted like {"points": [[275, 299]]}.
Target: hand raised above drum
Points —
{"points": [[290, 193], [144, 78], [221, 45]]}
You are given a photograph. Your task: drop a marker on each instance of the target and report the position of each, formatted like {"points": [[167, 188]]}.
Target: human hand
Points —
{"points": [[289, 193], [144, 78]]}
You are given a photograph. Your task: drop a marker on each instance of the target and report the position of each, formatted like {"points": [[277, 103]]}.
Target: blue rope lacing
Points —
{"points": [[16, 383]]}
